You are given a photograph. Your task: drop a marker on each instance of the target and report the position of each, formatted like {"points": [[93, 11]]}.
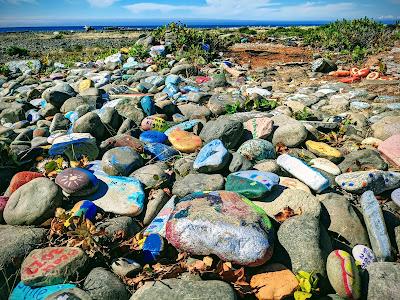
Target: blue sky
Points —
{"points": [[58, 12]]}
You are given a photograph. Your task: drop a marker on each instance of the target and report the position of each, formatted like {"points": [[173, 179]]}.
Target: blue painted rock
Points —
{"points": [[212, 157], [395, 196], [152, 247], [170, 89], [224, 224], [303, 172], [148, 106], [256, 150], [376, 227], [159, 223], [184, 141], [154, 123], [361, 181], [83, 209], [363, 256], [152, 136], [22, 291], [187, 125], [119, 195], [77, 182], [121, 161], [123, 140], [343, 275], [52, 265], [160, 151], [74, 146], [173, 79], [251, 184]]}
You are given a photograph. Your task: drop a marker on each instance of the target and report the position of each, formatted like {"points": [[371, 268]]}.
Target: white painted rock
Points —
{"points": [[363, 255], [325, 165]]}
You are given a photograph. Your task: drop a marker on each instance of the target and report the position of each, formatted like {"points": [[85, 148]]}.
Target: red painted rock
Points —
{"points": [[3, 202], [260, 128], [52, 265], [390, 150], [20, 179]]}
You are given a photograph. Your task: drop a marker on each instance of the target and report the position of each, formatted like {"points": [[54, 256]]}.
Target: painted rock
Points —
{"points": [[22, 291], [395, 196], [187, 125], [343, 274], [376, 181], [212, 157], [123, 140], [363, 256], [390, 150], [84, 85], [77, 182], [303, 172], [120, 195], [184, 141], [159, 223], [294, 184], [324, 150], [154, 123], [152, 247], [74, 146], [152, 136], [278, 283], [224, 224], [20, 179], [251, 184], [260, 128], [257, 150], [160, 151], [148, 106], [376, 227], [83, 209], [325, 165], [121, 161], [3, 203], [52, 265]]}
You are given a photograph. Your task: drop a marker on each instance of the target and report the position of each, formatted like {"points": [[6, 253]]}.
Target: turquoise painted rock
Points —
{"points": [[121, 161], [119, 195], [187, 125], [160, 151], [212, 157], [222, 223], [22, 291], [303, 172], [77, 182], [148, 106], [152, 136], [257, 150], [376, 227], [74, 146], [251, 184], [376, 181]]}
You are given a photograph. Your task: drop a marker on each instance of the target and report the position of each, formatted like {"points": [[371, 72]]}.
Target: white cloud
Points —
{"points": [[248, 10], [101, 3]]}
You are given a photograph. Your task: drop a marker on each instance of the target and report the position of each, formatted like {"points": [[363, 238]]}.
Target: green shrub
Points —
{"points": [[247, 30], [14, 50], [4, 70], [139, 51]]}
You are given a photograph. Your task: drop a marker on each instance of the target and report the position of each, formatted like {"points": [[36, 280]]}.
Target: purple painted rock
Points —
{"points": [[3, 202], [52, 265], [390, 149], [260, 128], [77, 182], [222, 223]]}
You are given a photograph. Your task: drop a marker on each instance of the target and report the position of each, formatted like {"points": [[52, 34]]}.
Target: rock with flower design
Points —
{"points": [[343, 275], [222, 223], [376, 181], [251, 184], [77, 182]]}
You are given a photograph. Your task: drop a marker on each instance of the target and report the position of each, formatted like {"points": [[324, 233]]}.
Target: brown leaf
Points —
{"points": [[285, 214], [208, 261]]}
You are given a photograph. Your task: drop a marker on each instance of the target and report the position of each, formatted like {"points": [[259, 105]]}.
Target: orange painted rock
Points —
{"points": [[184, 141], [363, 72], [20, 179], [354, 71], [373, 76], [340, 73], [350, 79], [277, 284]]}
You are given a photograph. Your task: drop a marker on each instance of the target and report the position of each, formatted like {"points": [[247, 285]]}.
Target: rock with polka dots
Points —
{"points": [[251, 184], [77, 182], [376, 181]]}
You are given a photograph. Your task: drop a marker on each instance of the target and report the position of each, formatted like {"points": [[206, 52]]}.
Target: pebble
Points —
{"points": [[363, 256], [395, 196], [211, 158], [152, 136], [77, 182], [184, 141]]}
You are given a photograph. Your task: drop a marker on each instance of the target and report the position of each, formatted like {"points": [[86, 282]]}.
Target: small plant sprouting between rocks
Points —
{"points": [[303, 115], [308, 285], [262, 104]]}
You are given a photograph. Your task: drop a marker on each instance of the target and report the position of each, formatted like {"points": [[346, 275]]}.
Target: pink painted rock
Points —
{"points": [[390, 150], [52, 265], [3, 202], [260, 128], [20, 179]]}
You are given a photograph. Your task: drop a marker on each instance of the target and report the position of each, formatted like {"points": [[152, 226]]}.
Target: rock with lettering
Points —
{"points": [[121, 161], [52, 265], [77, 182], [361, 181], [154, 123], [251, 184], [376, 227], [33, 203], [22, 291], [343, 275], [259, 128], [390, 150], [324, 150], [212, 157], [198, 183], [75, 145], [363, 255], [303, 172], [119, 195], [257, 150], [221, 223], [160, 151], [184, 141], [123, 140]]}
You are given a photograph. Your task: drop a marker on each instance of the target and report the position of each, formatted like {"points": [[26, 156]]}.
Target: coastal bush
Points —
{"points": [[247, 30], [4, 70], [14, 50], [139, 51]]}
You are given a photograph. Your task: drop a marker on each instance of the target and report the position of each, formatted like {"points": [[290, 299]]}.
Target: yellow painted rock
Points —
{"points": [[124, 50], [324, 150], [184, 141], [84, 85]]}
